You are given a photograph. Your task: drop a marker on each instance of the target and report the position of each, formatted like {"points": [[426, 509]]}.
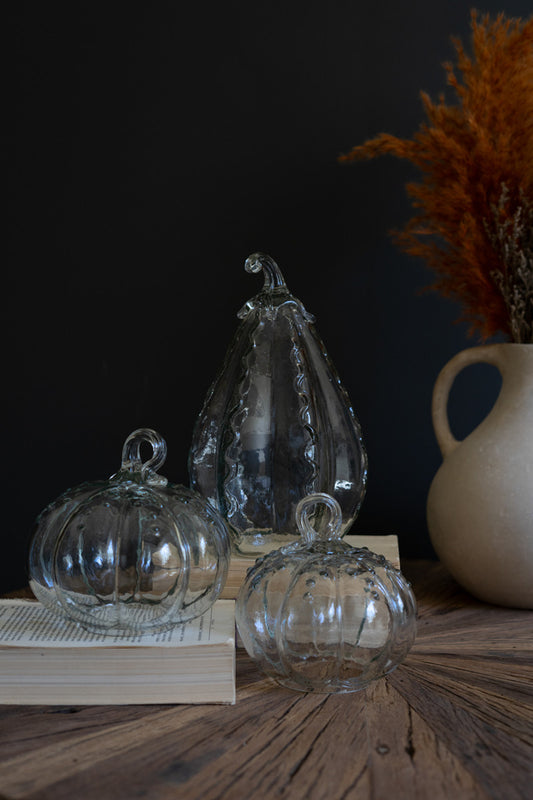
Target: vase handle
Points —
{"points": [[487, 354]]}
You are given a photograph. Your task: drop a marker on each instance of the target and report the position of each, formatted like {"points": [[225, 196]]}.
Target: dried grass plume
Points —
{"points": [[473, 221]]}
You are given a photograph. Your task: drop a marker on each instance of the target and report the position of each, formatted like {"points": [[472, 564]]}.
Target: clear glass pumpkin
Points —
{"points": [[277, 424], [319, 615], [133, 553]]}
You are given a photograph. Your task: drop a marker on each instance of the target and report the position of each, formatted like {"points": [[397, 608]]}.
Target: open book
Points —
{"points": [[46, 660], [381, 545]]}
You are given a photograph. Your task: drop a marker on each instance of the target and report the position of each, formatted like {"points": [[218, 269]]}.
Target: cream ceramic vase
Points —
{"points": [[480, 503]]}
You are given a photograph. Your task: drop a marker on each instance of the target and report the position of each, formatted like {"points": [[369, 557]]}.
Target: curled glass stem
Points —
{"points": [[131, 452], [273, 276], [303, 511]]}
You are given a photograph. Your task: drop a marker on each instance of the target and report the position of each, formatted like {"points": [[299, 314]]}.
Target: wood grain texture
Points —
{"points": [[454, 721]]}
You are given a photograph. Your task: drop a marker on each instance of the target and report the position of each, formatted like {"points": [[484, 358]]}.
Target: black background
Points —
{"points": [[149, 149]]}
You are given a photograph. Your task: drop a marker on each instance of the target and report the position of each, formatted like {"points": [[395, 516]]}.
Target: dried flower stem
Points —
{"points": [[512, 239]]}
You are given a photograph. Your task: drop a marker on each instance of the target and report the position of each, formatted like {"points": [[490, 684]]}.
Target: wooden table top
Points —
{"points": [[454, 721]]}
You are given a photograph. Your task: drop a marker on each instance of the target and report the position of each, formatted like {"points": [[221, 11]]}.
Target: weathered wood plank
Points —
{"points": [[482, 741], [408, 749], [456, 720]]}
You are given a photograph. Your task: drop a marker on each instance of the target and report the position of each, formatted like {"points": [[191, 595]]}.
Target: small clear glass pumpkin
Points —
{"points": [[133, 553], [319, 615]]}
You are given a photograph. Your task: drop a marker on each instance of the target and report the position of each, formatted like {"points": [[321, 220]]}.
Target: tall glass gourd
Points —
{"points": [[277, 424]]}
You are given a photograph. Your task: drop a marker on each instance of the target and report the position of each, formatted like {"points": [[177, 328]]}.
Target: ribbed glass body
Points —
{"points": [[319, 615], [133, 553]]}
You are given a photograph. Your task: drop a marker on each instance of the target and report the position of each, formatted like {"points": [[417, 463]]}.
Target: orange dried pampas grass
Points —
{"points": [[474, 206]]}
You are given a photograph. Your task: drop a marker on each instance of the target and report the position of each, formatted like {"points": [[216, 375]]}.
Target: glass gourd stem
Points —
{"points": [[273, 277], [305, 506], [131, 452]]}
